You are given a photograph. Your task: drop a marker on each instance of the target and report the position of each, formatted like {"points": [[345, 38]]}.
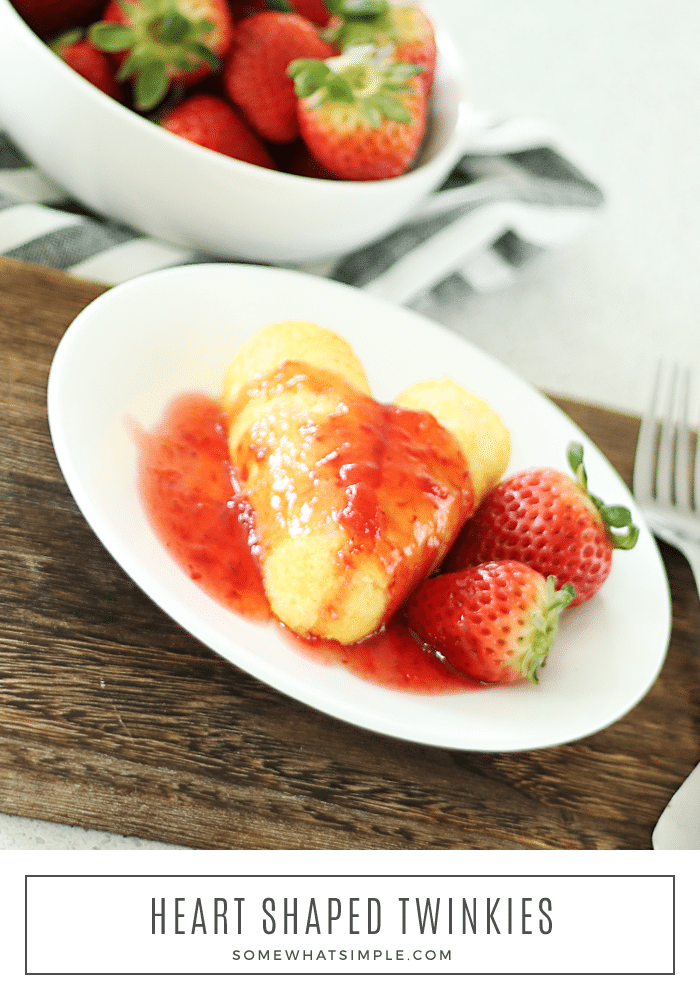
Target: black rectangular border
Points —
{"points": [[431, 972]]}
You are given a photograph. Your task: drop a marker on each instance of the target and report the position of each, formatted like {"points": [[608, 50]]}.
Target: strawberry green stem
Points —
{"points": [[363, 76], [365, 22], [71, 37], [622, 533], [545, 623], [160, 40], [172, 28]]}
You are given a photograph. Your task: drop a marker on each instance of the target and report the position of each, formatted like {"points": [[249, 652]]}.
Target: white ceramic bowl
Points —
{"points": [[123, 166]]}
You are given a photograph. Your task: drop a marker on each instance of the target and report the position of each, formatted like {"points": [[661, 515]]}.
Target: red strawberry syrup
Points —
{"points": [[190, 498], [186, 488]]}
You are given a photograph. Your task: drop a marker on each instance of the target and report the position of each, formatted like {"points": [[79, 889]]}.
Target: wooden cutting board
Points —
{"points": [[114, 718]]}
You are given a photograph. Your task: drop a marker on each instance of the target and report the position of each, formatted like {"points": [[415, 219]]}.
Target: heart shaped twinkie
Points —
{"points": [[355, 501]]}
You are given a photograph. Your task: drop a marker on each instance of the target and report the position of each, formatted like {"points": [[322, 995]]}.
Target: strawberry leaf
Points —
{"points": [[204, 54], [174, 27], [309, 75], [132, 11], [621, 532], [389, 107], [574, 455], [71, 37], [339, 89], [545, 623], [202, 27], [135, 62], [110, 37], [618, 517], [183, 62], [373, 115], [401, 71], [618, 522], [348, 9], [150, 86]]}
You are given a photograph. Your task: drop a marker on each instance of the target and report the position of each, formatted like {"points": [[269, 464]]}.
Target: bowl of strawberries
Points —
{"points": [[279, 131]]}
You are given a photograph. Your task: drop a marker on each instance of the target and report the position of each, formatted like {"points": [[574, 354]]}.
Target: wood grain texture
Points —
{"points": [[114, 718]]}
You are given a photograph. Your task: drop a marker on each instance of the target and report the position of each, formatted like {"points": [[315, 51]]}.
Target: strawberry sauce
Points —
{"points": [[189, 494], [186, 489]]}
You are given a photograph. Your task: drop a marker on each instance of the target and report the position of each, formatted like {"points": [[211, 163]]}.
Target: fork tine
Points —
{"points": [[665, 465], [683, 457], [665, 496], [645, 458]]}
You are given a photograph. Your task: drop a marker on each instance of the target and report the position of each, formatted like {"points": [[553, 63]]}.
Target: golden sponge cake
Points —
{"points": [[292, 340], [355, 501]]}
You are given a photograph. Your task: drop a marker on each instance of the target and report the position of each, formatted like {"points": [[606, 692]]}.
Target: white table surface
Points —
{"points": [[620, 82]]}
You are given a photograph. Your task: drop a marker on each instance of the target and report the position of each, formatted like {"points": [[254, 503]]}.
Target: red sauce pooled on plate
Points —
{"points": [[188, 491]]}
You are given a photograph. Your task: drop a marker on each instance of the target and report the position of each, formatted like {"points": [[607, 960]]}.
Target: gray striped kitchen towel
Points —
{"points": [[512, 195]]}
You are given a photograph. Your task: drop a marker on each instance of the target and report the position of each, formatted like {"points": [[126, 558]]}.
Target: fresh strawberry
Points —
{"points": [[212, 122], [400, 23], [550, 521], [157, 42], [362, 116], [255, 74], [49, 17], [85, 59], [495, 622]]}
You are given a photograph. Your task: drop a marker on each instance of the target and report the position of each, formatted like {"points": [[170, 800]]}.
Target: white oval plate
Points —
{"points": [[143, 342]]}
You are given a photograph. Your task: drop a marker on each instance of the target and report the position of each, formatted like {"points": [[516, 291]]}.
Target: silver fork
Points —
{"points": [[666, 481], [666, 486]]}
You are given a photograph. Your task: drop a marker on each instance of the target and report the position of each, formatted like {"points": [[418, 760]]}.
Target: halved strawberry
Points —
{"points": [[544, 518], [211, 122], [157, 42], [75, 49], [495, 622], [255, 74], [362, 115], [402, 24]]}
